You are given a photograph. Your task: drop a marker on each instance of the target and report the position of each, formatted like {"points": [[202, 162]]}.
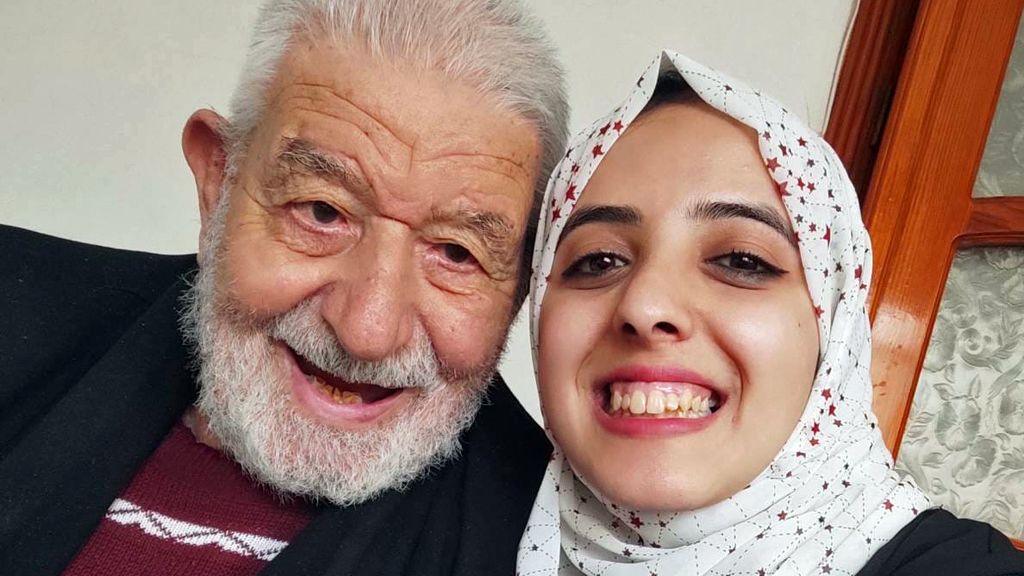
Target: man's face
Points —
{"points": [[364, 270]]}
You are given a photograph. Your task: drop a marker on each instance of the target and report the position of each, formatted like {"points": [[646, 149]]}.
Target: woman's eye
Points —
{"points": [[596, 264], [746, 264], [324, 213]]}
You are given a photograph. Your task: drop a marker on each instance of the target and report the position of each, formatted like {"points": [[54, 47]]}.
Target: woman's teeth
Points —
{"points": [[661, 404], [339, 396]]}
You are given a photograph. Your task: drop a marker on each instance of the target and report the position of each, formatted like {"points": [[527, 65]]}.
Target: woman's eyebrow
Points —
{"points": [[709, 210], [603, 213]]}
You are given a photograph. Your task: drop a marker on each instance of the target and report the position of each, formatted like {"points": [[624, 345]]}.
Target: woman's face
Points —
{"points": [[678, 342]]}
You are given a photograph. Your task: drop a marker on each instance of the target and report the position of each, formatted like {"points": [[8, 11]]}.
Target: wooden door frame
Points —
{"points": [[923, 175], [866, 85], [923, 178]]}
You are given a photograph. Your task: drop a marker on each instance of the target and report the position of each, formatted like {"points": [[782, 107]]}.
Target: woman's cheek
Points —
{"points": [[568, 332], [774, 345]]}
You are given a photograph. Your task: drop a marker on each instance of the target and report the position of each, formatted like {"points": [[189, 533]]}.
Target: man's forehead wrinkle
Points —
{"points": [[396, 149], [488, 162]]}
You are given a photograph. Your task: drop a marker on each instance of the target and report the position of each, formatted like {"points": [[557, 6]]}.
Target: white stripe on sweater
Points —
{"points": [[156, 524]]}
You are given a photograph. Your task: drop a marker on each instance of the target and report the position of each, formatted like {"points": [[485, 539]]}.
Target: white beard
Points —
{"points": [[245, 396]]}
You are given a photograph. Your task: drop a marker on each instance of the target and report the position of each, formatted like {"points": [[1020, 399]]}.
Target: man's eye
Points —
{"points": [[324, 213], [596, 264], [457, 254]]}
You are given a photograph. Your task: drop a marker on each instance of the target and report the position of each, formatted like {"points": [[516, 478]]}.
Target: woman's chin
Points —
{"points": [[654, 486]]}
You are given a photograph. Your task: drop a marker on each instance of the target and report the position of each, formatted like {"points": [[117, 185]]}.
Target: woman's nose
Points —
{"points": [[653, 309]]}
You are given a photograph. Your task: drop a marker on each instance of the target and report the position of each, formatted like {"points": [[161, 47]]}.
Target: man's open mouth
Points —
{"points": [[340, 390]]}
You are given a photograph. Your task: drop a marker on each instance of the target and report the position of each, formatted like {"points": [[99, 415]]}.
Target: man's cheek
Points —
{"points": [[265, 280], [467, 332]]}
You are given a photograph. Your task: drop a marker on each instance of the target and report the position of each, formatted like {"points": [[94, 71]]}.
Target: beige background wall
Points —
{"points": [[93, 96]]}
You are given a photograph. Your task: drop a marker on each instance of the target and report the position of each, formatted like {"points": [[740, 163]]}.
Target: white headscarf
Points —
{"points": [[830, 498]]}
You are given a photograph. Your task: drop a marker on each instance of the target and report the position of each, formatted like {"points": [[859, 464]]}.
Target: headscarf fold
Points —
{"points": [[830, 498]]}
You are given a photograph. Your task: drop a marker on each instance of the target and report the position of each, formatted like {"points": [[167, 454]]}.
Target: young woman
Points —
{"points": [[703, 355]]}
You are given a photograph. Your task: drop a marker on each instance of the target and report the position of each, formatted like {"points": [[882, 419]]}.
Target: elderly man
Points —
{"points": [[307, 402]]}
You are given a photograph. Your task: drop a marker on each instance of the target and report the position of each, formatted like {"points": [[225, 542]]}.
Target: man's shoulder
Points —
{"points": [[35, 262], [505, 454], [512, 447], [62, 306], [937, 542], [510, 429]]}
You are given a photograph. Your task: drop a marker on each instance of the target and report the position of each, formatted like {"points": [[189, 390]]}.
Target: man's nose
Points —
{"points": [[653, 310], [370, 305]]}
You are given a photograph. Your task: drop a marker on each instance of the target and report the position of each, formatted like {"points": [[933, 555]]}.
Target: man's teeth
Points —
{"points": [[658, 403], [339, 396]]}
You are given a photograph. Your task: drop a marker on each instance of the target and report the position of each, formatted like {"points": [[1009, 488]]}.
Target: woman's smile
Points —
{"points": [[638, 400]]}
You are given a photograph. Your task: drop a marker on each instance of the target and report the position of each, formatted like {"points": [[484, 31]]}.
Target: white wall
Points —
{"points": [[93, 96]]}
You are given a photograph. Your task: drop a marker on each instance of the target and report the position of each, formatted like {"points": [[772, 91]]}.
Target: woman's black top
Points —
{"points": [[937, 543]]}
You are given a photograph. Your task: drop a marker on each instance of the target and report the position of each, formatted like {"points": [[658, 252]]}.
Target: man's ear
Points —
{"points": [[206, 154]]}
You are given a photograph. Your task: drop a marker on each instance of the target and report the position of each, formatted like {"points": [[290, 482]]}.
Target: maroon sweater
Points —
{"points": [[189, 510]]}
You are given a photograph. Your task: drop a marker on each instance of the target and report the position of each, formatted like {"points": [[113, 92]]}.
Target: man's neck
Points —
{"points": [[199, 425]]}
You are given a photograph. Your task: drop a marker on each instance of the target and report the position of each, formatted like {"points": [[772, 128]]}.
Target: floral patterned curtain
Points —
{"points": [[964, 442]]}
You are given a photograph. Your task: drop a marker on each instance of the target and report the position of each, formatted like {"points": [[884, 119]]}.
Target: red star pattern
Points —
{"points": [[773, 164], [597, 151]]}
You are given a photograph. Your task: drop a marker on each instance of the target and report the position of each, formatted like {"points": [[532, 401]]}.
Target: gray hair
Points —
{"points": [[493, 45]]}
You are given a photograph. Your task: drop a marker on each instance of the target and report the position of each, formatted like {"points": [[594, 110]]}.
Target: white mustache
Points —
{"points": [[305, 331]]}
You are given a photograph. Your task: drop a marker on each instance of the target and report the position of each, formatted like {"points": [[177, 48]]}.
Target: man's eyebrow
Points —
{"points": [[300, 154], [709, 210], [602, 213]]}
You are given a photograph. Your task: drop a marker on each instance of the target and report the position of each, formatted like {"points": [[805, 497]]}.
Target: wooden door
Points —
{"points": [[925, 215]]}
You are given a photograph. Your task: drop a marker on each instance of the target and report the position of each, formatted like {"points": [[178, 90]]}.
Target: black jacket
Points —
{"points": [[93, 375], [937, 543]]}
